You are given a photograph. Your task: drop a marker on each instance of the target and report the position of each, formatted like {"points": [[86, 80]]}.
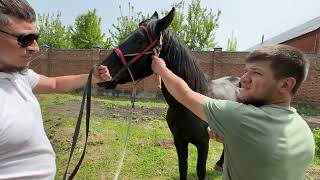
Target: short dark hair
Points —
{"points": [[286, 61], [19, 9]]}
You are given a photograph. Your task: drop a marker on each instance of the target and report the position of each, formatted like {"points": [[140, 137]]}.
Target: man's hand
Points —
{"points": [[157, 65], [214, 135], [101, 74]]}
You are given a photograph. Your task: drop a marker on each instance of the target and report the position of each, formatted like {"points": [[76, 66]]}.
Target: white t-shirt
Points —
{"points": [[25, 151]]}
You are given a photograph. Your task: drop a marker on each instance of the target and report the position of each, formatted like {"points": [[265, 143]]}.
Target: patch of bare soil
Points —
{"points": [[313, 122], [98, 109], [314, 173], [165, 143], [64, 136], [145, 114]]}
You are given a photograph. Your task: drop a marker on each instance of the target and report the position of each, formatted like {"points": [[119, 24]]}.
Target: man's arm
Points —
{"points": [[71, 82], [179, 89]]}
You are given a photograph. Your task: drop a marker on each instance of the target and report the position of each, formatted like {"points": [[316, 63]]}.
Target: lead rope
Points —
{"points": [[85, 98], [133, 98], [156, 52], [157, 49]]}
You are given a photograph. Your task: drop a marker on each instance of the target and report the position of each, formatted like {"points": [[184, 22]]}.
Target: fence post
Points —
{"points": [[217, 54], [45, 50], [95, 54]]}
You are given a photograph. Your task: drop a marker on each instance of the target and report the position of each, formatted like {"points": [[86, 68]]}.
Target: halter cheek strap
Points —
{"points": [[120, 55], [148, 34]]}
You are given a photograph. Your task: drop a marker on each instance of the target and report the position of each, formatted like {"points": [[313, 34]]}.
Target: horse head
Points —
{"points": [[227, 88], [134, 53]]}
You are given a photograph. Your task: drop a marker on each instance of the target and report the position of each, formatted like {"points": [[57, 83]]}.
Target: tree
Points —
{"points": [[125, 24], [232, 43], [177, 23], [87, 31], [200, 27], [195, 28], [52, 32]]}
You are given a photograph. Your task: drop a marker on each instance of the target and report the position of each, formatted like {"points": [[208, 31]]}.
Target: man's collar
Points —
{"points": [[10, 76]]}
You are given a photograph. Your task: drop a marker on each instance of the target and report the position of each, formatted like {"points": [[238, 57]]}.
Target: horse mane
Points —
{"points": [[182, 63]]}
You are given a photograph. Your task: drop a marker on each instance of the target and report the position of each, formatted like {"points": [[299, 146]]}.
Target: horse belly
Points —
{"points": [[186, 125]]}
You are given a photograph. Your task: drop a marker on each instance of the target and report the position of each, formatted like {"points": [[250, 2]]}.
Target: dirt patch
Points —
{"points": [[98, 109], [314, 173], [165, 143], [143, 115], [313, 122], [64, 134]]}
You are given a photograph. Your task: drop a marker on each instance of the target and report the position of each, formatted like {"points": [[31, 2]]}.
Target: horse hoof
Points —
{"points": [[218, 169]]}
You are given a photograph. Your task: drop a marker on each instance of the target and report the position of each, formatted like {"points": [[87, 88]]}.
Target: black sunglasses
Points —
{"points": [[24, 40]]}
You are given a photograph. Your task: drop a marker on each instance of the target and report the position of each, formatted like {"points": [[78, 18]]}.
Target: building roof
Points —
{"points": [[297, 31]]}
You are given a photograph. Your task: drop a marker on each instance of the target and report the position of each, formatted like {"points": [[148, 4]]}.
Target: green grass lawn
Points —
{"points": [[145, 158], [150, 153]]}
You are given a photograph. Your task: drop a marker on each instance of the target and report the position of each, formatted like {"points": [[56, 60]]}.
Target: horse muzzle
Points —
{"points": [[108, 85]]}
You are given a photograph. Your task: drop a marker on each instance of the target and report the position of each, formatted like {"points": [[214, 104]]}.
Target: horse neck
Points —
{"points": [[180, 61]]}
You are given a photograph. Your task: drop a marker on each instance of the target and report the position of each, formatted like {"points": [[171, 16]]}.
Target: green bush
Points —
{"points": [[316, 134]]}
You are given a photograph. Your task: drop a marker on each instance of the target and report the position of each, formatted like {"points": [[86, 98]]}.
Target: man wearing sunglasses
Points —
{"points": [[25, 151]]}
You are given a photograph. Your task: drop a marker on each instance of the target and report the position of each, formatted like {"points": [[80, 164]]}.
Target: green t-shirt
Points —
{"points": [[267, 142]]}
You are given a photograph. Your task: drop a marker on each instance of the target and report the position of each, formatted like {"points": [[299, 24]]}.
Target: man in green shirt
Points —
{"points": [[264, 137]]}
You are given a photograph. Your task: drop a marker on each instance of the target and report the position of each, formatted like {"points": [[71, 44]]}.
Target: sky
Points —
{"points": [[247, 19]]}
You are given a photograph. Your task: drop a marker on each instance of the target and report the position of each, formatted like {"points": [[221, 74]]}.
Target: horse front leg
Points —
{"points": [[219, 164], [203, 149], [182, 151]]}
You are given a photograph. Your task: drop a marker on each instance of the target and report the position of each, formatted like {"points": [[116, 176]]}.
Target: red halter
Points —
{"points": [[152, 43]]}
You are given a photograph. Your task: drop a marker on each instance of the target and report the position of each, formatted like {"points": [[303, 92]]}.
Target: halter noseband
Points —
{"points": [[152, 43]]}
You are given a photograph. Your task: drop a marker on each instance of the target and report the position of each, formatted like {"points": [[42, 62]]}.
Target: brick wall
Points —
{"points": [[215, 64]]}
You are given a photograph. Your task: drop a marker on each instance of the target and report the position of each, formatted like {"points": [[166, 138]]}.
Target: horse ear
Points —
{"points": [[165, 22], [155, 15]]}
